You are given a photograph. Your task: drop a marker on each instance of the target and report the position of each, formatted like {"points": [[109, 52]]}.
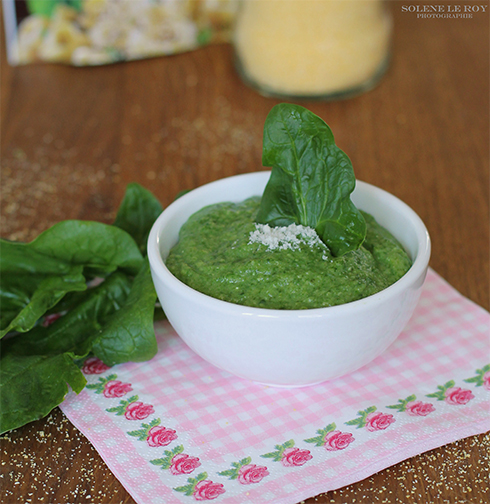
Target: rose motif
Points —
{"points": [[207, 490], [183, 464], [418, 408], [159, 435], [138, 411], [486, 380], [251, 473], [295, 457], [378, 421], [93, 365], [115, 388], [457, 395], [336, 440]]}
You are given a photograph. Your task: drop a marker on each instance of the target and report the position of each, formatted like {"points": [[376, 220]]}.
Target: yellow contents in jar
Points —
{"points": [[312, 47]]}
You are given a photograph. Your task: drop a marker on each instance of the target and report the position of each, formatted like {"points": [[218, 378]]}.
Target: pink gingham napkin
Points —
{"points": [[177, 430]]}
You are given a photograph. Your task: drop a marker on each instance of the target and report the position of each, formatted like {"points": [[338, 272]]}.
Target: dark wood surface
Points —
{"points": [[72, 138]]}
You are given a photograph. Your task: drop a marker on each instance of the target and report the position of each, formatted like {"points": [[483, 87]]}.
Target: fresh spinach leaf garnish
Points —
{"points": [[111, 318], [311, 179]]}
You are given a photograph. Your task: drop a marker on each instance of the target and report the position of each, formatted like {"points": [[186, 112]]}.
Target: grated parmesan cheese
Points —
{"points": [[284, 237]]}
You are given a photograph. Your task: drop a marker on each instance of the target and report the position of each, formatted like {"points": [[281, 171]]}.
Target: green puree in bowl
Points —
{"points": [[223, 253]]}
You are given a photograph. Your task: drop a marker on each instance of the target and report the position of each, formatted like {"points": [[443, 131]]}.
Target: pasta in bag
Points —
{"points": [[97, 32]]}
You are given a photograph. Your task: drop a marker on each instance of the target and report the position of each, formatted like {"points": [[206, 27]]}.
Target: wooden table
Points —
{"points": [[72, 138]]}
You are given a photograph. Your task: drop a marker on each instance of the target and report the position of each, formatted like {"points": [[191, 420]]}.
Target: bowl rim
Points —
{"points": [[158, 267]]}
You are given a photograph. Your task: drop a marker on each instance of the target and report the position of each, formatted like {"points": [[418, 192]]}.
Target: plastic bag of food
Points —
{"points": [[97, 32]]}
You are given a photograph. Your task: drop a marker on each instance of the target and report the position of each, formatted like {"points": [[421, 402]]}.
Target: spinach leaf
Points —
{"points": [[112, 316], [311, 179], [35, 276], [129, 333], [32, 385], [26, 298], [99, 247], [75, 331], [137, 213]]}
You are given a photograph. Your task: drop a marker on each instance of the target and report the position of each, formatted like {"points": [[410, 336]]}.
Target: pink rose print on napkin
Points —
{"points": [[457, 395], [372, 420], [482, 377], [486, 380], [110, 387], [93, 365], [252, 473], [332, 439], [337, 440], [201, 488], [378, 421], [138, 410], [418, 408], [116, 388], [154, 433], [245, 472], [177, 462], [207, 490], [451, 394], [289, 455], [413, 407], [184, 464], [132, 409], [160, 436], [295, 457]]}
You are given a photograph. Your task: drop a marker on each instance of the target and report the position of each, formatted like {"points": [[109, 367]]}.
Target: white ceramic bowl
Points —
{"points": [[288, 347]]}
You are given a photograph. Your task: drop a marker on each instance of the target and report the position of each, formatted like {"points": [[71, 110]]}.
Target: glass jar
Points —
{"points": [[312, 49]]}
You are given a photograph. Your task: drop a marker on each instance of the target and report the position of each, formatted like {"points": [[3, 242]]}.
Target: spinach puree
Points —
{"points": [[223, 253]]}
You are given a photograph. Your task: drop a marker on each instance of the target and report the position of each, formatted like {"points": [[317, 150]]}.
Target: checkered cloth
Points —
{"points": [[176, 429]]}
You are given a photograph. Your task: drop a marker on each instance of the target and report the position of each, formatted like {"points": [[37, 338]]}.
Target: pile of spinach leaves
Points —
{"points": [[311, 179], [97, 276]]}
